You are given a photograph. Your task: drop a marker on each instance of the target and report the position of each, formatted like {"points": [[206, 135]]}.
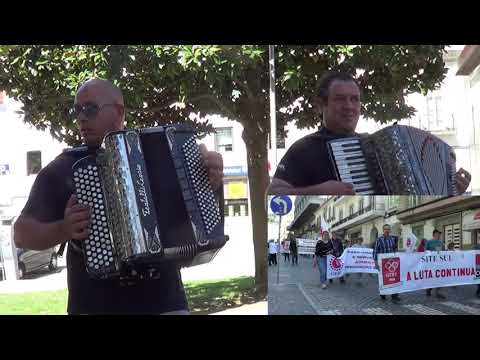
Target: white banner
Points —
{"points": [[306, 246], [404, 272], [353, 260]]}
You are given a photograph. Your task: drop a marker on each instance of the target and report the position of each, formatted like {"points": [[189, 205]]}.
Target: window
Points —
{"points": [[351, 210], [340, 215], [223, 140], [237, 207], [360, 204], [34, 162], [437, 119]]}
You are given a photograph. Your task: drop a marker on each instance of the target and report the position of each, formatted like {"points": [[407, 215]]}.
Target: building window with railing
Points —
{"points": [[361, 204], [223, 140]]}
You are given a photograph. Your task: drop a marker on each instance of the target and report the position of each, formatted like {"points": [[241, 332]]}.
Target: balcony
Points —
{"points": [[367, 213], [304, 209], [437, 208]]}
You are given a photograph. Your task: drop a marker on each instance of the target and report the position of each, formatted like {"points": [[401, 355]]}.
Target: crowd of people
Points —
{"points": [[331, 244]]}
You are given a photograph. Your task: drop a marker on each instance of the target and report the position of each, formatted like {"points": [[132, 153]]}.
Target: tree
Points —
{"points": [[164, 84]]}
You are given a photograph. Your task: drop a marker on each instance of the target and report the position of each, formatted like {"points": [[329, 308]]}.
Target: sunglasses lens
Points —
{"points": [[90, 111]]}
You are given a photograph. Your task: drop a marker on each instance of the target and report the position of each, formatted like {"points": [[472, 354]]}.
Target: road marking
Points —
{"points": [[312, 303], [330, 312], [377, 311], [424, 310], [465, 308]]}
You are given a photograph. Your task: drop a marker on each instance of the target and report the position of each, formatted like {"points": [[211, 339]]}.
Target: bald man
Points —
{"points": [[53, 216]]}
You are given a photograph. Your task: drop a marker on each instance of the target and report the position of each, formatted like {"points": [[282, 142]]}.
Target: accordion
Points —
{"points": [[397, 160], [151, 203]]}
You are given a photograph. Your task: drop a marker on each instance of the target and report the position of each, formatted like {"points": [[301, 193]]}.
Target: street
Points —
{"points": [[298, 292]]}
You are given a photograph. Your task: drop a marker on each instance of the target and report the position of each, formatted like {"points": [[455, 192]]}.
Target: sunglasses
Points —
{"points": [[90, 110]]}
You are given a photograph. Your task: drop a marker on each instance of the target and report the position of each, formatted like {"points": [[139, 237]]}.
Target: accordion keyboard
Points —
{"points": [[98, 248], [203, 193], [351, 165]]}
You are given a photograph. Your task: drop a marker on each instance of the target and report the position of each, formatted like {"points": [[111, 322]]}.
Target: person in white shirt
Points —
{"points": [[272, 253]]}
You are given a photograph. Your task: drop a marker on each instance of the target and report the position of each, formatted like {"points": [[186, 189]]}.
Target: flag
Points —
{"points": [[410, 242], [323, 225]]}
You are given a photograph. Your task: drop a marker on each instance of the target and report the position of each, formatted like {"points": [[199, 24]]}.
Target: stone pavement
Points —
{"points": [[299, 293]]}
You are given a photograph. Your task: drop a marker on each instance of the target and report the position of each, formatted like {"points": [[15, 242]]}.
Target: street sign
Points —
{"points": [[281, 205]]}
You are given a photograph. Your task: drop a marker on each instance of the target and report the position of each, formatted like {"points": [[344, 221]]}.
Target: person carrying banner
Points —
{"points": [[436, 244], [337, 251], [386, 243], [286, 251], [323, 248]]}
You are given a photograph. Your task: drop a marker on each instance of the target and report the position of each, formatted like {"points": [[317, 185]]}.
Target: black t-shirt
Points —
{"points": [[46, 203], [306, 162]]}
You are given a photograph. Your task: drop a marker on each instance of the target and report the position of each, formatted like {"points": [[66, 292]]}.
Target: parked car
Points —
{"points": [[30, 261]]}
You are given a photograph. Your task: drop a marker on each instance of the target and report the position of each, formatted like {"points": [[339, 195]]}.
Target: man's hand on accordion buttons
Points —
{"points": [[463, 179], [76, 220], [214, 163]]}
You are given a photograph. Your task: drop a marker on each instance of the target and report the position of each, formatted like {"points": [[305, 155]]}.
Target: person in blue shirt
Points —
{"points": [[436, 244]]}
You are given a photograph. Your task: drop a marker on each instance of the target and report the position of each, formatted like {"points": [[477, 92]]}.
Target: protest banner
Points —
{"points": [[353, 260], [404, 272]]}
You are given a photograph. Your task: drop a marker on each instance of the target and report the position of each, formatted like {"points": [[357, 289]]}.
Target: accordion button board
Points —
{"points": [[99, 251]]}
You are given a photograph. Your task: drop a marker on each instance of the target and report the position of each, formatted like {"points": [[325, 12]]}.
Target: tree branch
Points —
{"points": [[220, 104]]}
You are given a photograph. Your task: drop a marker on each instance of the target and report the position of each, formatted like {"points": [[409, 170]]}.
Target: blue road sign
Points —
{"points": [[281, 205]]}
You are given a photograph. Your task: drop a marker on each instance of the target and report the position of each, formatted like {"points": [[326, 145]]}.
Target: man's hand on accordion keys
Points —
{"points": [[332, 187], [76, 221], [463, 178], [214, 163]]}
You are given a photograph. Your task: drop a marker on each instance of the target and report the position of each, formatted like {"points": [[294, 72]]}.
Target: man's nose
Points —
{"points": [[82, 118]]}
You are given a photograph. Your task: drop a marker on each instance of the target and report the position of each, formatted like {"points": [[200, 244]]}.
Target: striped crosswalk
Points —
{"points": [[462, 307], [377, 311], [330, 312], [423, 310]]}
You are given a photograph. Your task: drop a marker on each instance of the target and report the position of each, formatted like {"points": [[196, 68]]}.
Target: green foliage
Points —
{"points": [[231, 80]]}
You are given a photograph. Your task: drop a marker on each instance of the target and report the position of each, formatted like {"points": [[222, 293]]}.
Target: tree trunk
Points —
{"points": [[257, 157]]}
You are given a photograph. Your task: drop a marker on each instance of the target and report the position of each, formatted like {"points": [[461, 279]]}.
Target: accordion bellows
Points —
{"points": [[397, 160], [151, 201]]}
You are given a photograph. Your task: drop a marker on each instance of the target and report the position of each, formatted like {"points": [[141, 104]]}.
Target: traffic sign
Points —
{"points": [[281, 205]]}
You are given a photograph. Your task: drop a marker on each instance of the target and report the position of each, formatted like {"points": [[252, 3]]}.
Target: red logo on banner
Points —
{"points": [[391, 270], [336, 264]]}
